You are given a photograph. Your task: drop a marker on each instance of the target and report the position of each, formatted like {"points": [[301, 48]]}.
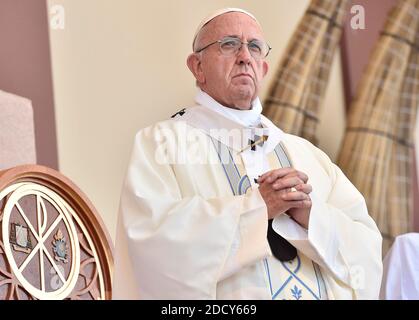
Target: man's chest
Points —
{"points": [[218, 170]]}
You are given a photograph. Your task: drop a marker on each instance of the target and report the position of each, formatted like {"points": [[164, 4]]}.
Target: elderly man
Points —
{"points": [[219, 203]]}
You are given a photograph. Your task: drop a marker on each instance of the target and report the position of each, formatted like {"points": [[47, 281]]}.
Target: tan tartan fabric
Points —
{"points": [[377, 150], [299, 85]]}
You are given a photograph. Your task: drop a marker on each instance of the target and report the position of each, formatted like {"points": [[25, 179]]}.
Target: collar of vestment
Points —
{"points": [[247, 118], [235, 128]]}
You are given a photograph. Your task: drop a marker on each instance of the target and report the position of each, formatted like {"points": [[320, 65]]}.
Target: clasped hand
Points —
{"points": [[286, 190]]}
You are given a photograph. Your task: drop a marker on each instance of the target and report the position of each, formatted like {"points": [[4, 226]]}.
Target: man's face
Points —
{"points": [[231, 80]]}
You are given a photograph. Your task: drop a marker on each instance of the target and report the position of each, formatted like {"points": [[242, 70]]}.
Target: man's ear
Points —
{"points": [[265, 68], [194, 64]]}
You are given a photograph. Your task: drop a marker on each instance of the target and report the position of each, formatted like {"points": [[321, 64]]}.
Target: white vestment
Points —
{"points": [[183, 234]]}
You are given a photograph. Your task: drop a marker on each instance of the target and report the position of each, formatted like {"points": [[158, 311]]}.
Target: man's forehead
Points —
{"points": [[234, 19], [231, 24]]}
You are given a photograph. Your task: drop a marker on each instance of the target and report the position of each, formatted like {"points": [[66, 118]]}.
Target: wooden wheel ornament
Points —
{"points": [[53, 244]]}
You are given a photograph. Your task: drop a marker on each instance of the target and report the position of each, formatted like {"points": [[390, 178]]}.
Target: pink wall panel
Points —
{"points": [[357, 45], [25, 68]]}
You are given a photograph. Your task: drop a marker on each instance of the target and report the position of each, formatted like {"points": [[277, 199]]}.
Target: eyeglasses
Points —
{"points": [[229, 46]]}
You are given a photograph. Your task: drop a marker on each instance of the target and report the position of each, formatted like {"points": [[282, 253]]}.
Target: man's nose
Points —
{"points": [[244, 56]]}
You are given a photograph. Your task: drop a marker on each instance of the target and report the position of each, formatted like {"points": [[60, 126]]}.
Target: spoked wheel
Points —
{"points": [[53, 244]]}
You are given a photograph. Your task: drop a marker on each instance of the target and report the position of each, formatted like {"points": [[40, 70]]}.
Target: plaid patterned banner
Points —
{"points": [[377, 150], [298, 89]]}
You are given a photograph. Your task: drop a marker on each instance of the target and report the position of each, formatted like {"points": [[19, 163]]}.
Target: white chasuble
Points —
{"points": [[193, 225], [297, 279]]}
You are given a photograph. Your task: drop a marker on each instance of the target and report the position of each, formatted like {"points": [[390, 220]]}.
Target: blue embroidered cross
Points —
{"points": [[296, 293]]}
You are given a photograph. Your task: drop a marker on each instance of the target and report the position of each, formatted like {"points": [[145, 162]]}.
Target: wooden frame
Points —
{"points": [[86, 217]]}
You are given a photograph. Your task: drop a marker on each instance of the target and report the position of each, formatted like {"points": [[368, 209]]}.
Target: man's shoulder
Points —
{"points": [[294, 139], [176, 123], [307, 146]]}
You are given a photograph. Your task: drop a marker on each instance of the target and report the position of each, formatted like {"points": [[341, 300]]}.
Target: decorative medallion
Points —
{"points": [[60, 247], [38, 217], [54, 219], [20, 238]]}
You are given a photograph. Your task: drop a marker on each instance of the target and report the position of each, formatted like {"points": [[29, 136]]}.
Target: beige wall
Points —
{"points": [[120, 65]]}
